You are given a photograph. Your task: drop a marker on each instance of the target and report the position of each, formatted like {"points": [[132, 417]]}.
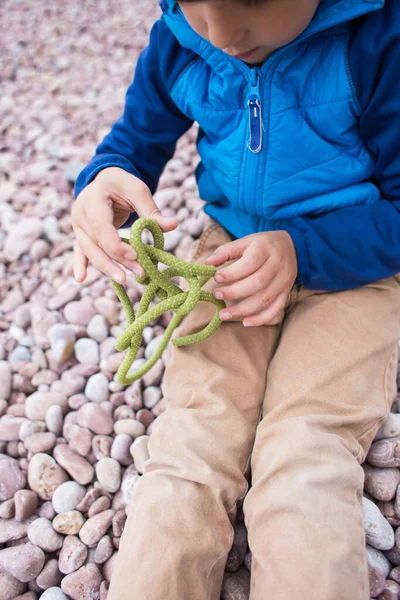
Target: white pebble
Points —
{"points": [[87, 351], [97, 388]]}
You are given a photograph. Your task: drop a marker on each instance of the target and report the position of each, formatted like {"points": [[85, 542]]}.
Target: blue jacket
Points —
{"points": [[307, 142]]}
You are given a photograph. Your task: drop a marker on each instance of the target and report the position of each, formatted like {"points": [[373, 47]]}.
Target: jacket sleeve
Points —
{"points": [[354, 246], [143, 139]]}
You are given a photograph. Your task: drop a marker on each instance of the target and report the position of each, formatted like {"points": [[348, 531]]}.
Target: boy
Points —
{"points": [[298, 109]]}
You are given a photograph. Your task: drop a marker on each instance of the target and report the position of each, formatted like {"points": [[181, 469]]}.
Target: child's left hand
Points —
{"points": [[264, 274]]}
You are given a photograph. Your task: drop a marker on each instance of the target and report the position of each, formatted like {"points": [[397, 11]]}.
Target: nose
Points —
{"points": [[223, 32]]}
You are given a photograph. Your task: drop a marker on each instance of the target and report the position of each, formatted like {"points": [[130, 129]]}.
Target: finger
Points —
{"points": [[248, 286], [252, 259], [252, 305], [229, 251], [80, 263], [98, 257], [271, 315], [147, 208]]}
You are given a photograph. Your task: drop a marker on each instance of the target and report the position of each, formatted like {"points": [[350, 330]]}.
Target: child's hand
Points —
{"points": [[100, 209], [264, 274]]}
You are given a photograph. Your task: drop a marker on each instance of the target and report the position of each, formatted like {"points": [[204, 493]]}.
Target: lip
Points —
{"points": [[245, 55]]}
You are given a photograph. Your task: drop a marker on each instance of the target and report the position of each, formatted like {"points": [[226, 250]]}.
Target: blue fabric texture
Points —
{"points": [[305, 142]]}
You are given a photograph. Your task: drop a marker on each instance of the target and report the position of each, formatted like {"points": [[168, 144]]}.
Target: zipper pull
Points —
{"points": [[255, 115]]}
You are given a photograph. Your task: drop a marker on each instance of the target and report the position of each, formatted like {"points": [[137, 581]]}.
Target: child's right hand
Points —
{"points": [[99, 210]]}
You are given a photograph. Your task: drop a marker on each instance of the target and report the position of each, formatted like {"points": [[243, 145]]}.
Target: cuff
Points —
{"points": [[303, 262]]}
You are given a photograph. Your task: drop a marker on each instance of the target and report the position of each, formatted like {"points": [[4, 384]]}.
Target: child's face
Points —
{"points": [[249, 31]]}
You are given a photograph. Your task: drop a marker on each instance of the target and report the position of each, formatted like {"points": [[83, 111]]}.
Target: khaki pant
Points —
{"points": [[296, 405]]}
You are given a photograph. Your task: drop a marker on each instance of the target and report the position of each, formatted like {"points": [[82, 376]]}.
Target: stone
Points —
{"points": [[379, 533], [236, 586], [10, 428], [24, 562], [5, 380], [54, 419], [21, 238], [140, 452], [104, 550], [77, 466], [37, 404], [95, 418], [50, 575], [42, 534], [381, 483], [62, 339], [12, 478], [97, 388], [120, 449], [45, 475], [11, 529], [68, 523], [53, 593], [72, 555], [385, 453], [67, 496], [379, 568], [98, 328], [129, 426], [10, 587], [26, 502], [108, 473], [87, 351], [40, 442], [238, 549], [95, 527], [151, 396], [83, 584]]}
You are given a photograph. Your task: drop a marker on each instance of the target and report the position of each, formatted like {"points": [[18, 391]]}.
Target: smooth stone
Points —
{"points": [[379, 533], [129, 426], [101, 446], [24, 562], [151, 396], [238, 549], [62, 339], [54, 419], [11, 529], [108, 472], [83, 584], [79, 312], [10, 428], [42, 534], [30, 427], [118, 522], [104, 550], [381, 483], [45, 475], [236, 586], [77, 466], [95, 418], [67, 496], [140, 452], [95, 527], [390, 428], [5, 380], [102, 503], [21, 237], [12, 478], [68, 523], [26, 502], [385, 453], [36, 404], [152, 346], [50, 575], [87, 351], [53, 593], [98, 328], [40, 442], [97, 388], [120, 449], [379, 568], [10, 587], [72, 555], [79, 438]]}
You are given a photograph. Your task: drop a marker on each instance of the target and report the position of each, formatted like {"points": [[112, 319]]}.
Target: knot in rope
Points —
{"points": [[172, 298]]}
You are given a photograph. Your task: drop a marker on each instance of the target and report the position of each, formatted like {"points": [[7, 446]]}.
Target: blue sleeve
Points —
{"points": [[354, 246], [144, 137]]}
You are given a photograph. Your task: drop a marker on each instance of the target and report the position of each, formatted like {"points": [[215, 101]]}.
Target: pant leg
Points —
{"points": [[179, 528], [329, 387]]}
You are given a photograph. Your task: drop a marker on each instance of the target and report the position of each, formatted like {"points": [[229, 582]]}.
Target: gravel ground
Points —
{"points": [[72, 440]]}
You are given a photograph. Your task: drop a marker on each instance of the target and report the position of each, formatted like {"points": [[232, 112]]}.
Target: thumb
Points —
{"points": [[148, 208]]}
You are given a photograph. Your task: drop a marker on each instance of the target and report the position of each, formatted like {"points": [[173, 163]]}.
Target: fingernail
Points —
{"points": [[247, 324], [137, 272], [225, 315], [130, 255], [218, 295], [118, 278], [219, 278]]}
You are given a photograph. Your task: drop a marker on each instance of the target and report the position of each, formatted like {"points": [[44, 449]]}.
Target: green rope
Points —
{"points": [[172, 298]]}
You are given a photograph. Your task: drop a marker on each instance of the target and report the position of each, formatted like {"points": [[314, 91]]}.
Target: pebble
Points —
{"points": [[21, 237], [50, 575], [239, 547], [151, 396], [77, 466], [26, 502], [53, 593], [385, 453], [95, 418], [129, 426], [11, 529], [120, 449], [67, 496], [140, 452], [108, 472], [379, 532], [102, 503], [72, 555], [5, 380], [54, 419], [80, 312], [95, 527], [36, 404], [19, 354], [236, 586], [68, 523], [10, 587], [379, 568], [87, 351], [381, 483], [98, 328], [45, 475], [101, 446], [11, 477], [10, 428], [104, 550], [40, 442], [83, 584], [62, 339], [390, 428], [108, 308], [42, 534], [152, 346], [28, 428], [24, 562], [97, 388]]}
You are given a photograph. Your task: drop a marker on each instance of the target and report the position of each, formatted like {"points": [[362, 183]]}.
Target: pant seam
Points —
{"points": [[361, 455], [203, 238]]}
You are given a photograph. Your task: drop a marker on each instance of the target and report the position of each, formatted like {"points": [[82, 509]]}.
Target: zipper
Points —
{"points": [[255, 112]]}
